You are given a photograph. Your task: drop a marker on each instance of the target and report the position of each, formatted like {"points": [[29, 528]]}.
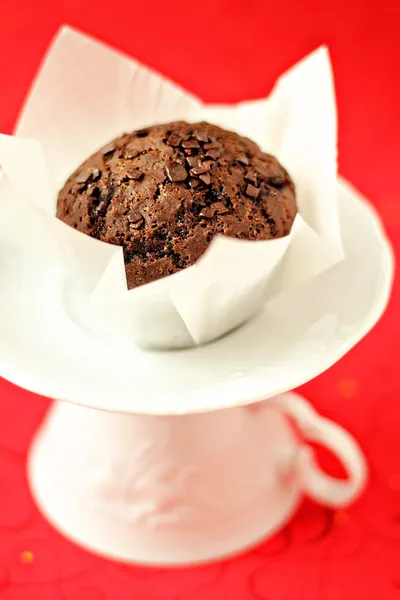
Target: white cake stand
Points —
{"points": [[202, 469]]}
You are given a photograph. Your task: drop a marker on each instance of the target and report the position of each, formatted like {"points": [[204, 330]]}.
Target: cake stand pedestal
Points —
{"points": [[178, 490]]}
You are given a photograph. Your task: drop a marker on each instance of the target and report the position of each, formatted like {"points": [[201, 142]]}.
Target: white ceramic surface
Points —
{"points": [[265, 357], [174, 490]]}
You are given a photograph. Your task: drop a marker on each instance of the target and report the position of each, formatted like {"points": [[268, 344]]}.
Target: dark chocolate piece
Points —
{"points": [[252, 191], [176, 172]]}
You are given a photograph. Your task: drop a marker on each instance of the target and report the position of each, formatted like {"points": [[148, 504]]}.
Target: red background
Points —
{"points": [[224, 50]]}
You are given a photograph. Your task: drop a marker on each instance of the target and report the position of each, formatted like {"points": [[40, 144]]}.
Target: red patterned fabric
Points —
{"points": [[224, 50]]}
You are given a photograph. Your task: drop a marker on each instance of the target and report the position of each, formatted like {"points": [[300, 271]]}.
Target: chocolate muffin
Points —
{"points": [[162, 194]]}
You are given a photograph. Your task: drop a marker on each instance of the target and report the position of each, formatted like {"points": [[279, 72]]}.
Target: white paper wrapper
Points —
{"points": [[85, 95]]}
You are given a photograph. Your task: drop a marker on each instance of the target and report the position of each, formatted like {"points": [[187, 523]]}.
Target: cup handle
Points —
{"points": [[315, 483]]}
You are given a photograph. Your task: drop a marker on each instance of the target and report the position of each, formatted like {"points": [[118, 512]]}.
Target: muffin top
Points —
{"points": [[163, 192]]}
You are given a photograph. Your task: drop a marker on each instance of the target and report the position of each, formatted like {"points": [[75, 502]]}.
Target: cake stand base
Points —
{"points": [[111, 542], [177, 490]]}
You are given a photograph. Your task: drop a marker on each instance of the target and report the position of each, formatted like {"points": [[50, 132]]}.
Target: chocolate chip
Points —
{"points": [[88, 176], [207, 212], [135, 217], [137, 225], [220, 208], [142, 133], [190, 144], [242, 158], [134, 174], [276, 181], [211, 145], [213, 154], [202, 168], [205, 178], [193, 161], [252, 191], [174, 140], [109, 149], [201, 135], [131, 152], [176, 172], [193, 182], [101, 208], [252, 177]]}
